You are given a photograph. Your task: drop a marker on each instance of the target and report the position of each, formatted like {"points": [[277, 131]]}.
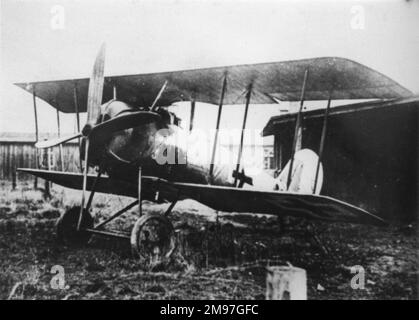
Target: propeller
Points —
{"points": [[100, 132], [94, 97], [104, 130], [94, 101]]}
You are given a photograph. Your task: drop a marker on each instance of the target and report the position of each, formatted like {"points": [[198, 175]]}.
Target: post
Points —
{"points": [[322, 141], [60, 146], [46, 157], [246, 109], [14, 178], [297, 128], [192, 115], [114, 92], [76, 107], [220, 108], [286, 283], [36, 135]]}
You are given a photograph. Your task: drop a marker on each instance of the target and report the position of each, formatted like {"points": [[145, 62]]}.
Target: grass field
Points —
{"points": [[222, 258]]}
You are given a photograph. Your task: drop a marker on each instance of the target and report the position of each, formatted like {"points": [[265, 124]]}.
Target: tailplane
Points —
{"points": [[303, 174]]}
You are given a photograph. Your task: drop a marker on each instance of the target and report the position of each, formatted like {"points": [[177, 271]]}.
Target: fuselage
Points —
{"points": [[155, 147], [159, 148]]}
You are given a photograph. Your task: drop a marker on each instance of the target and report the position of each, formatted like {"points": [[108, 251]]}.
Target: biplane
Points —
{"points": [[124, 114]]}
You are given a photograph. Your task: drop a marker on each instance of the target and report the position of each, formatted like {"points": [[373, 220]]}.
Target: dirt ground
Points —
{"points": [[216, 258]]}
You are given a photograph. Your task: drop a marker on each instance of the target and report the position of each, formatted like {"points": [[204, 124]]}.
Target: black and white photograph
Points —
{"points": [[235, 150]]}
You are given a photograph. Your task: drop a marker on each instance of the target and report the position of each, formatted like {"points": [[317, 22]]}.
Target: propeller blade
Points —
{"points": [[105, 130], [83, 194], [95, 93], [55, 142]]}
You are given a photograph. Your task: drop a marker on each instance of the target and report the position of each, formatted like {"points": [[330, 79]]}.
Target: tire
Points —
{"points": [[152, 239]]}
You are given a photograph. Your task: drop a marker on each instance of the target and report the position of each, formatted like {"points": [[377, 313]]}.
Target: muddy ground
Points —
{"points": [[214, 259]]}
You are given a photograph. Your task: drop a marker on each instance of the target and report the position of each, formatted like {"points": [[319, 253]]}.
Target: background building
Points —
{"points": [[370, 156]]}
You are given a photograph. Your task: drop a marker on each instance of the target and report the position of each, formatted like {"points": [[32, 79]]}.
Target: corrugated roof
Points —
{"points": [[275, 122]]}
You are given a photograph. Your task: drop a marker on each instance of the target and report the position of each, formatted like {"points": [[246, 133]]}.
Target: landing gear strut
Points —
{"points": [[152, 237], [67, 227]]}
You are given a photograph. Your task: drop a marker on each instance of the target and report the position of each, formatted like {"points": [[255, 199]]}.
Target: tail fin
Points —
{"points": [[303, 174]]}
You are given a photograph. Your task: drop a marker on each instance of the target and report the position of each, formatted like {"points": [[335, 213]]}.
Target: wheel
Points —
{"points": [[67, 232], [152, 239]]}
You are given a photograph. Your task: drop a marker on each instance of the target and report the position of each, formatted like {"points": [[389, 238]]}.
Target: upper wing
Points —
{"points": [[309, 206], [271, 82]]}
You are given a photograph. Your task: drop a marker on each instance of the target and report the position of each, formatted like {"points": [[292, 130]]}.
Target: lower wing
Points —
{"points": [[104, 184], [228, 199]]}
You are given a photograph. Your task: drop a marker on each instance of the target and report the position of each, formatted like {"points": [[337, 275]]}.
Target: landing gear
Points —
{"points": [[67, 231], [152, 239]]}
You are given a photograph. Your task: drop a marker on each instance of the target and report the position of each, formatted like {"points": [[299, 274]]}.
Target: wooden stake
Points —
{"points": [[286, 283], [14, 179]]}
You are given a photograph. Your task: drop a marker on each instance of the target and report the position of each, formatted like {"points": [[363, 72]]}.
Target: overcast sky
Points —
{"points": [[150, 36]]}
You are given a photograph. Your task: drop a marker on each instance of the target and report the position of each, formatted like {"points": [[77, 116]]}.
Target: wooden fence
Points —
{"points": [[22, 154]]}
